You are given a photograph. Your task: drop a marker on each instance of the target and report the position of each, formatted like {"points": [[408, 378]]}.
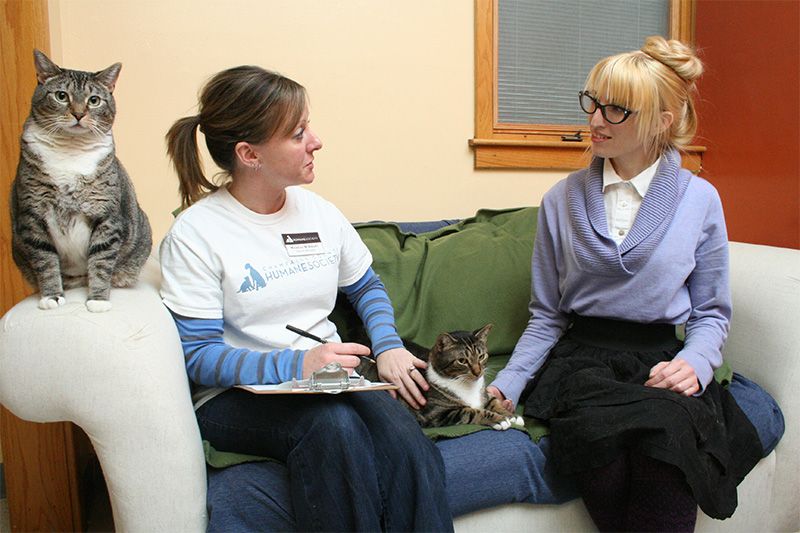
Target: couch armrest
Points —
{"points": [[764, 345], [120, 377]]}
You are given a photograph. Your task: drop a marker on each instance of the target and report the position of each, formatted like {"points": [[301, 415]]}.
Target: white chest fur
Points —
{"points": [[72, 243], [471, 393], [66, 159]]}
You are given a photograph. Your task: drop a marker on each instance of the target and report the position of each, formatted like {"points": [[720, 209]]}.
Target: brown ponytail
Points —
{"points": [[244, 103], [182, 149]]}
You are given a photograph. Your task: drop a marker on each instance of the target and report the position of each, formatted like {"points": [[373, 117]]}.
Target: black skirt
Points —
{"points": [[591, 392]]}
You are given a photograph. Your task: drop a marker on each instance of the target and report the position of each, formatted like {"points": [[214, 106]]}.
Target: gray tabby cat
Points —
{"points": [[74, 215], [455, 373]]}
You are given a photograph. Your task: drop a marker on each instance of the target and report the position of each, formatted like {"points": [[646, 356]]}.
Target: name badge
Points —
{"points": [[302, 243]]}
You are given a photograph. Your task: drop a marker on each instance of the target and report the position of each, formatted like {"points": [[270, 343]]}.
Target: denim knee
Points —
{"points": [[250, 497], [335, 424], [518, 472], [761, 409], [396, 433]]}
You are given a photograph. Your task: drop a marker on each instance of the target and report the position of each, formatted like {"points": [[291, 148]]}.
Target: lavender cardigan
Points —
{"points": [[671, 268]]}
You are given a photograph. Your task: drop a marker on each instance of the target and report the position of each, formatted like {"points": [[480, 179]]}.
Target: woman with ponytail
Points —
{"points": [[252, 253], [626, 251]]}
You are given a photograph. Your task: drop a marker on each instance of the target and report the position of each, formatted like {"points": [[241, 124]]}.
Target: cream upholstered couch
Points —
{"points": [[120, 377]]}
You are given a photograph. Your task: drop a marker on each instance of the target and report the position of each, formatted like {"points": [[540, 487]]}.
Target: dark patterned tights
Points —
{"points": [[638, 493]]}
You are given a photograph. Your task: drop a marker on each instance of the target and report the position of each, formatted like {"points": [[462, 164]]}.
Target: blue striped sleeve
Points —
{"points": [[371, 302], [213, 363]]}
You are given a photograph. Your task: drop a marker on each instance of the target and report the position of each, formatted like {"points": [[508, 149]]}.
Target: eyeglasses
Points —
{"points": [[614, 114]]}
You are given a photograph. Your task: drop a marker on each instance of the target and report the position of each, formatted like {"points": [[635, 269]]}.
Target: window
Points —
{"points": [[531, 57]]}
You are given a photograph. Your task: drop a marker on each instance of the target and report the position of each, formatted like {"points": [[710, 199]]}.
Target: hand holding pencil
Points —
{"points": [[348, 354]]}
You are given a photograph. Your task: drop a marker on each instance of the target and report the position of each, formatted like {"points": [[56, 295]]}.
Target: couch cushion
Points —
{"points": [[459, 277]]}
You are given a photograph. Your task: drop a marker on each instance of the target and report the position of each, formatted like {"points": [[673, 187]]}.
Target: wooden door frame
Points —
{"points": [[42, 482]]}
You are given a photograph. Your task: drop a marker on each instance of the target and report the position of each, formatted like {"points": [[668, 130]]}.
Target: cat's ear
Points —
{"points": [[444, 341], [483, 332], [108, 77], [45, 69]]}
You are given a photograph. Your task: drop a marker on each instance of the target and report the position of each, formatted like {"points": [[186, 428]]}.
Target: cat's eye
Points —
{"points": [[462, 362], [95, 101], [61, 96]]}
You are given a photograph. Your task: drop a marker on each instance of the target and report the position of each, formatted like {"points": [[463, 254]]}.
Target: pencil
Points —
{"points": [[306, 334]]}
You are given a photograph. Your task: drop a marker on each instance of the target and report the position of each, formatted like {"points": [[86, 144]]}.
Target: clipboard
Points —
{"points": [[330, 379]]}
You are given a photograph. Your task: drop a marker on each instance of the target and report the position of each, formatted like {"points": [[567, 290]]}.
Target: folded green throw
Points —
{"points": [[459, 277]]}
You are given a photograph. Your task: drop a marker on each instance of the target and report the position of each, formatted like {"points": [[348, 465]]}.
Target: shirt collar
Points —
{"points": [[641, 182]]}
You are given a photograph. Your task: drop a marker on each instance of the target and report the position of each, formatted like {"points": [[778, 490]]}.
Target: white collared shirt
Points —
{"points": [[624, 197]]}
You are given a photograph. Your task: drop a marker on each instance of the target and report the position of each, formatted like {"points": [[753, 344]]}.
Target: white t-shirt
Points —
{"points": [[261, 272]]}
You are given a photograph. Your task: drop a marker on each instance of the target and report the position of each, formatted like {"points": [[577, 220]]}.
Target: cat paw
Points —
{"points": [[509, 422], [51, 302], [98, 306], [502, 425]]}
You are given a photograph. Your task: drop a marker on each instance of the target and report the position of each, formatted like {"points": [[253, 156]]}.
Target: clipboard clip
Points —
{"points": [[331, 378]]}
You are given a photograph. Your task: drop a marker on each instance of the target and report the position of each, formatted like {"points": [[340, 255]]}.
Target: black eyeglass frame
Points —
{"points": [[625, 111]]}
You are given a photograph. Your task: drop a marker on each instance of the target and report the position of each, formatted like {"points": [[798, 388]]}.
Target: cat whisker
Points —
{"points": [[95, 129], [49, 126], [54, 126]]}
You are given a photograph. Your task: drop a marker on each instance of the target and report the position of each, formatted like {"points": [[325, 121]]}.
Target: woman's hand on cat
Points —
{"points": [[676, 375], [345, 353], [395, 367], [494, 391]]}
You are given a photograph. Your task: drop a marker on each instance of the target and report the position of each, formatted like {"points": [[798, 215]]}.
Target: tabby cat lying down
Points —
{"points": [[457, 394]]}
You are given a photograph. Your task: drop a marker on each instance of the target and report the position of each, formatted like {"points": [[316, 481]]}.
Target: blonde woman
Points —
{"points": [[625, 251]]}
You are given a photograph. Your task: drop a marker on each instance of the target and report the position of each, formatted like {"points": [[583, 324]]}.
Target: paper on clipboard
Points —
{"points": [[331, 379], [287, 388]]}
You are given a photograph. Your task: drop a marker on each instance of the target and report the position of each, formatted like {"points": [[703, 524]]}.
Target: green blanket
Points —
{"points": [[460, 277]]}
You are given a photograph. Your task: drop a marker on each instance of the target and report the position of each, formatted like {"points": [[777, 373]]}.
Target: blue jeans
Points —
{"points": [[353, 462], [483, 469], [761, 409]]}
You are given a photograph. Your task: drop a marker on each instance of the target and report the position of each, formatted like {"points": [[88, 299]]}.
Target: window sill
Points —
{"points": [[551, 155]]}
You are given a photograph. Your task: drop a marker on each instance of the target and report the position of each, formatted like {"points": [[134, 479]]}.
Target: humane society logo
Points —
{"points": [[255, 280]]}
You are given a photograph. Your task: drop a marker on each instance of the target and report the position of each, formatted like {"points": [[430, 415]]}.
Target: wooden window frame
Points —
{"points": [[499, 145]]}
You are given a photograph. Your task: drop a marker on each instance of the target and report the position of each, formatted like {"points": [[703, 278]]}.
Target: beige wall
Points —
{"points": [[391, 86]]}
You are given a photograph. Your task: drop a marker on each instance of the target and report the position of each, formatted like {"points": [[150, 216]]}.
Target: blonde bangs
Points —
{"points": [[610, 81], [628, 80]]}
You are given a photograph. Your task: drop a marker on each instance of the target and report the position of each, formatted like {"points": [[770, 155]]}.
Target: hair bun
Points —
{"points": [[675, 55]]}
